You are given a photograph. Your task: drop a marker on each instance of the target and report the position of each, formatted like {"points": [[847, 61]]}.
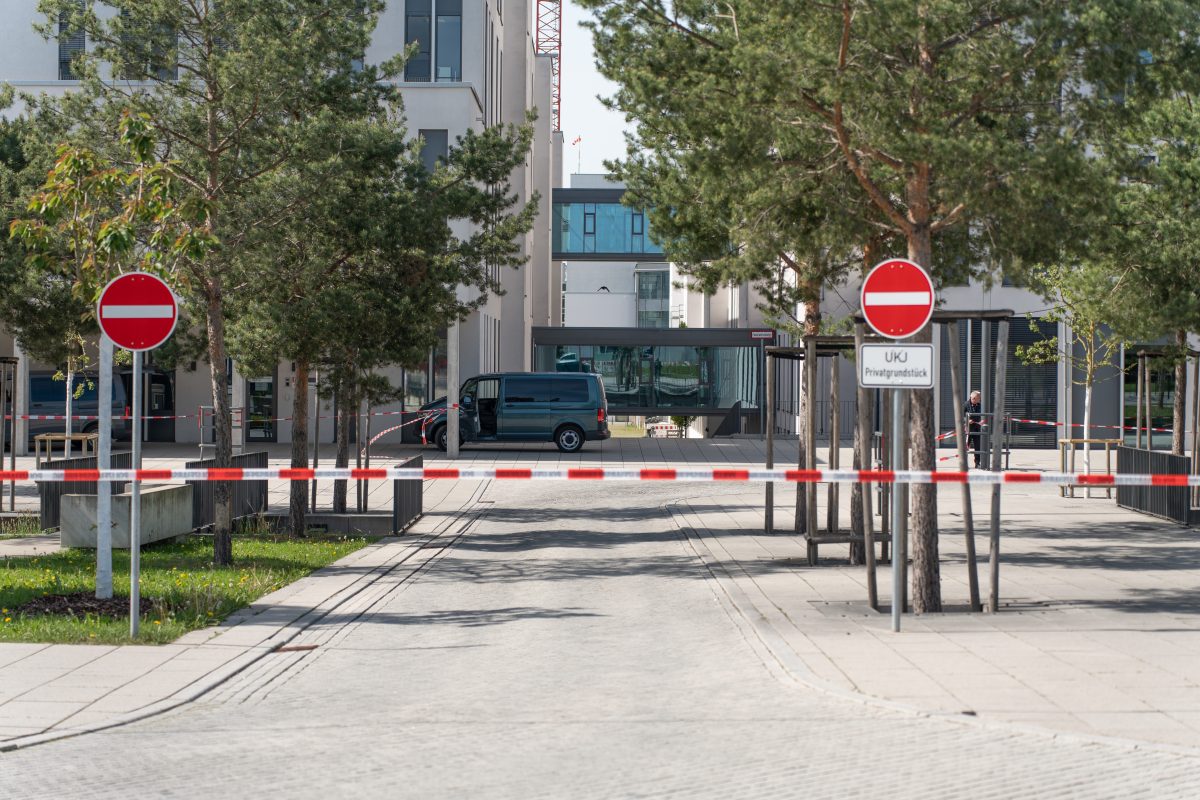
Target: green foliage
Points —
{"points": [[187, 590], [1086, 297], [803, 132], [92, 219]]}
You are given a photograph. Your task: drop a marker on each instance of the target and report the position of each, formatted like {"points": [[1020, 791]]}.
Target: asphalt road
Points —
{"points": [[569, 645]]}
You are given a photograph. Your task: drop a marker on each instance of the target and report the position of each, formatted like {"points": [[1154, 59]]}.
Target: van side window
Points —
{"points": [[524, 390], [573, 390], [44, 389]]}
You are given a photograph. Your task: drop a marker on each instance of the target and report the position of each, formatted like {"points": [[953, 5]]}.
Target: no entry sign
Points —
{"points": [[897, 298], [137, 311]]}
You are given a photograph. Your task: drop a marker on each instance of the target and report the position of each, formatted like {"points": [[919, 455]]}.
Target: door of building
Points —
{"points": [[261, 403], [160, 406]]}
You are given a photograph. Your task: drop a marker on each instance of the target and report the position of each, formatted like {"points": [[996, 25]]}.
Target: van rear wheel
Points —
{"points": [[569, 439]]}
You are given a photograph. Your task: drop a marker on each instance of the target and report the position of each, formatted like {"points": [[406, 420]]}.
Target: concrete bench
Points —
{"points": [[166, 513]]}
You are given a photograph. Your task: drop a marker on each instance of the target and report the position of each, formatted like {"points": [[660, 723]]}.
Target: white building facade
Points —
{"points": [[475, 67]]}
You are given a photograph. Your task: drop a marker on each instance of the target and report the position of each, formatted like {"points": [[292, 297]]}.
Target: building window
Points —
{"points": [[438, 37], [71, 43], [653, 299], [448, 52], [435, 147], [417, 29]]}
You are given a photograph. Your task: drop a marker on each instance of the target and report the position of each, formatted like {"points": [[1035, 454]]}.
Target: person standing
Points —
{"points": [[973, 415]]}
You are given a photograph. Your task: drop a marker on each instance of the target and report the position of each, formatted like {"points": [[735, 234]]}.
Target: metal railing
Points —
{"points": [[1170, 502], [50, 495], [407, 497], [249, 497]]}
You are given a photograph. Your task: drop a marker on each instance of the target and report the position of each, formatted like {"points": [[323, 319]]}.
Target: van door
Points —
{"points": [[468, 415], [524, 412], [487, 407]]}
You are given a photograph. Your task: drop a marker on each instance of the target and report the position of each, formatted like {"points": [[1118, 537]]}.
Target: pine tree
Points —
{"points": [[232, 89], [948, 126]]}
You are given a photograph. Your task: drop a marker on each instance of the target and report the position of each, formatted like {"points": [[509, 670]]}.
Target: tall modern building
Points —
{"points": [[475, 66]]}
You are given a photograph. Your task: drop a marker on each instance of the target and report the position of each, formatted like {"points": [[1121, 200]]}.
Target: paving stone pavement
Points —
{"points": [[569, 643], [1099, 630]]}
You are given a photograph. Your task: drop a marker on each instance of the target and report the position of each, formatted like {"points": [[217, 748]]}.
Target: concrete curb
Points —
{"points": [[756, 626]]}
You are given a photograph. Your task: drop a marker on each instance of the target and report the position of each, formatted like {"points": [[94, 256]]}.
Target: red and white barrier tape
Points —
{"points": [[203, 415], [1053, 424], [595, 474], [393, 429]]}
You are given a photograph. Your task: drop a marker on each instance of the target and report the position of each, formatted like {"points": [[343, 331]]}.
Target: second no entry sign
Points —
{"points": [[897, 298]]}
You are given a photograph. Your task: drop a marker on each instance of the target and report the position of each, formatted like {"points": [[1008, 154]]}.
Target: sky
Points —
{"points": [[602, 131]]}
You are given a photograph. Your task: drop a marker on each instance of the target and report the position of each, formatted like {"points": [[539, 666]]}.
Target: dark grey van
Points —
{"points": [[565, 408], [48, 397]]}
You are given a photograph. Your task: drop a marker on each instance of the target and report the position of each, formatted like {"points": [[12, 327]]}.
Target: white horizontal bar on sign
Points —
{"points": [[896, 299], [137, 312]]}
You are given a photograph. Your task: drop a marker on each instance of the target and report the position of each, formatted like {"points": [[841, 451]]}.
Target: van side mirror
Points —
{"points": [[466, 401]]}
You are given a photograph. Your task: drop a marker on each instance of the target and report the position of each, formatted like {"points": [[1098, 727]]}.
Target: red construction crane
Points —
{"points": [[549, 41]]}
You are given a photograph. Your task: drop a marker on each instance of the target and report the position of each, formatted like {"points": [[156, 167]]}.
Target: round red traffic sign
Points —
{"points": [[897, 298], [137, 311]]}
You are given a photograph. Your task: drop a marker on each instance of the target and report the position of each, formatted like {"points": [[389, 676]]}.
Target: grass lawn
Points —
{"points": [[623, 431], [20, 527], [185, 589]]}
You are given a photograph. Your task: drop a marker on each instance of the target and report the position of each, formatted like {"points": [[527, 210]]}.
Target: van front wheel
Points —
{"points": [[569, 439], [441, 437]]}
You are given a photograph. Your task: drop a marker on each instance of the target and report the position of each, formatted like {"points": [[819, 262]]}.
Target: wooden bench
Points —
{"points": [[88, 440], [1067, 450]]}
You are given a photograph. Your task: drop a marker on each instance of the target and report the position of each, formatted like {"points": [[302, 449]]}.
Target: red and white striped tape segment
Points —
{"points": [[395, 428], [204, 415], [1051, 423], [595, 474], [430, 415]]}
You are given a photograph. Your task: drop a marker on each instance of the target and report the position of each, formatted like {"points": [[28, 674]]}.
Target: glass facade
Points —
{"points": [[654, 299], [581, 227], [1031, 390], [663, 376]]}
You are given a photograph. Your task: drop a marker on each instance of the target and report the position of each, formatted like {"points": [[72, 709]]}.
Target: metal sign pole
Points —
{"points": [[135, 503], [104, 578], [4, 415], [897, 510], [17, 432], [452, 399]]}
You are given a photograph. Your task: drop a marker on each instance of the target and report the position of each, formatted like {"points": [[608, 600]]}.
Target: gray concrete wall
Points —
{"points": [[166, 513]]}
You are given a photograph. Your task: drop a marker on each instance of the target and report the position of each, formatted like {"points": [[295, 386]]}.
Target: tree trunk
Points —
{"points": [[870, 253], [1088, 387], [345, 408], [299, 489], [222, 422], [923, 525], [1179, 417], [812, 326], [70, 401]]}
